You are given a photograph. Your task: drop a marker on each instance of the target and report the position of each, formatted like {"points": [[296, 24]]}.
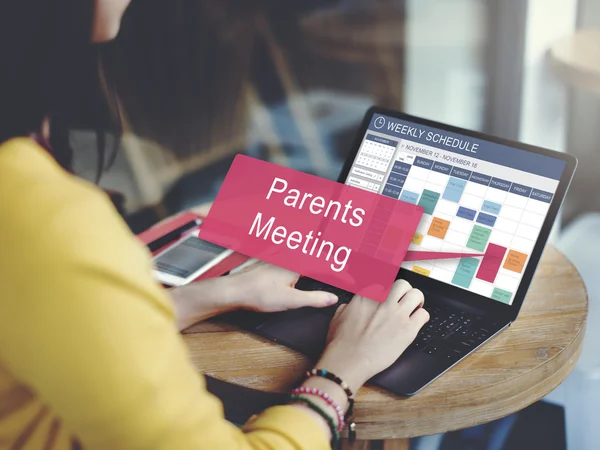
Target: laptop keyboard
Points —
{"points": [[450, 333]]}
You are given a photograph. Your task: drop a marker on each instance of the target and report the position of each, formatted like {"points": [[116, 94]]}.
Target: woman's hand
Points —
{"points": [[267, 288], [259, 287], [366, 337]]}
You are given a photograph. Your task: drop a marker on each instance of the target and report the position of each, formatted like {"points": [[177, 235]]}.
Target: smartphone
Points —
{"points": [[187, 259]]}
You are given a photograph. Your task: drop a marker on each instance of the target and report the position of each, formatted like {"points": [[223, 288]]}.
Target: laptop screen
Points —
{"points": [[478, 196]]}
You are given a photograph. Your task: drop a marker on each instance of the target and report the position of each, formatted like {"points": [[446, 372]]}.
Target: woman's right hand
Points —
{"points": [[366, 337]]}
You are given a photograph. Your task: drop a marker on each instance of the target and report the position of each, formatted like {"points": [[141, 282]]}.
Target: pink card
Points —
{"points": [[341, 235]]}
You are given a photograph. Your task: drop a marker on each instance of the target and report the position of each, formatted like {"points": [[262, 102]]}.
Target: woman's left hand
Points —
{"points": [[267, 288], [259, 287]]}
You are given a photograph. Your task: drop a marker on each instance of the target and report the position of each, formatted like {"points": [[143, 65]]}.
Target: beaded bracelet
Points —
{"points": [[335, 435], [327, 398], [323, 373], [332, 377]]}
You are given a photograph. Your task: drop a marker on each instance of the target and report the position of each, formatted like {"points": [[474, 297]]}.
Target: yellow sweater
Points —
{"points": [[88, 343]]}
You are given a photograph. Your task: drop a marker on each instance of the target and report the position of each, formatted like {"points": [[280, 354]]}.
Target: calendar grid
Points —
{"points": [[467, 210]]}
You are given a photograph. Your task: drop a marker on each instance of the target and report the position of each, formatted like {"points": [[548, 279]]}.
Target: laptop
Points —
{"points": [[481, 194]]}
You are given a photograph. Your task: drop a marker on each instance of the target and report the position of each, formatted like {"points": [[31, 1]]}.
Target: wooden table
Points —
{"points": [[516, 369]]}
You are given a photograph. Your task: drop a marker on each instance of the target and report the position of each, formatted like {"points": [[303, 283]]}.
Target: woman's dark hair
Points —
{"points": [[49, 69], [179, 70], [176, 72]]}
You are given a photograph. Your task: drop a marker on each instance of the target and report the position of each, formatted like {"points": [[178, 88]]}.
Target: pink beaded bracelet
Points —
{"points": [[327, 398]]}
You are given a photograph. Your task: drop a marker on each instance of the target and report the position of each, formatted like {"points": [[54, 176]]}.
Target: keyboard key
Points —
{"points": [[421, 341], [478, 336], [449, 334], [452, 355], [457, 353], [433, 350], [454, 338], [467, 344]]}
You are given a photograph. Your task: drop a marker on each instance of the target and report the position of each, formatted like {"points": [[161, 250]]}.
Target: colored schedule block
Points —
{"points": [[541, 195], [441, 168], [491, 207], [401, 168], [454, 189], [391, 191], [417, 238], [465, 272], [519, 189], [479, 238], [501, 295], [490, 264], [428, 201], [409, 197], [438, 228], [423, 162], [396, 180], [503, 185], [480, 178], [460, 173], [421, 271], [486, 219], [515, 261], [466, 213]]}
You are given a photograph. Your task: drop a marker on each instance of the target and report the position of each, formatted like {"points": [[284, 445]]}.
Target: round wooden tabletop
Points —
{"points": [[517, 368]]}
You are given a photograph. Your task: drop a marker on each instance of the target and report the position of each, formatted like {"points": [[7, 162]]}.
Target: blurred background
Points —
{"points": [[290, 81]]}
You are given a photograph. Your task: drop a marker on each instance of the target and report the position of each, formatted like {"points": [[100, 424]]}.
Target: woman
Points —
{"points": [[90, 351]]}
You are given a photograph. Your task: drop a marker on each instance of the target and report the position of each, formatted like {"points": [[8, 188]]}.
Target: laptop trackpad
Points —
{"points": [[301, 330]]}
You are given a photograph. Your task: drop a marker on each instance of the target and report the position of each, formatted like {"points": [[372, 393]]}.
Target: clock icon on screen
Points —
{"points": [[379, 122]]}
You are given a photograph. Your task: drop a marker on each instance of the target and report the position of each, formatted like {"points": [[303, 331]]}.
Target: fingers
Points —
{"points": [[362, 306], [399, 290], [314, 299], [340, 309], [420, 317], [412, 300]]}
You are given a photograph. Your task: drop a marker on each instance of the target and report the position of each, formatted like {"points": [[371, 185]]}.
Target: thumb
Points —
{"points": [[340, 309], [314, 299]]}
